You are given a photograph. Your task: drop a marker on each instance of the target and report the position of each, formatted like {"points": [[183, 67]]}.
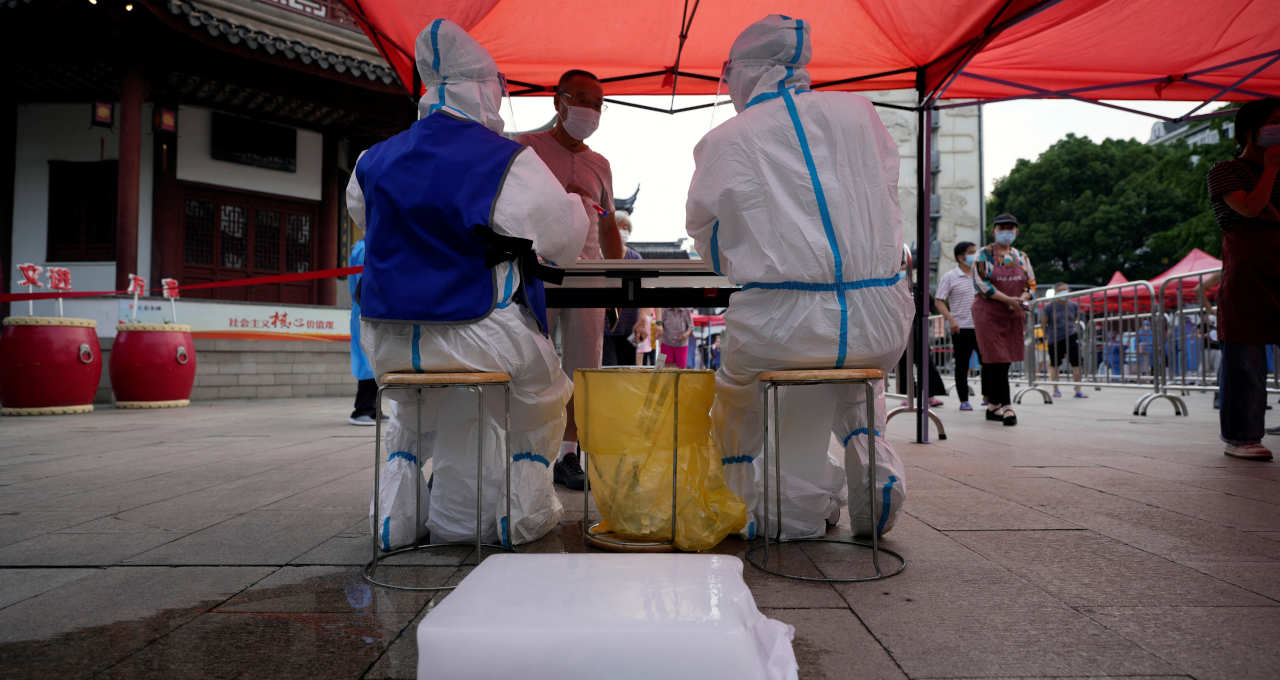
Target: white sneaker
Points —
{"points": [[363, 421], [1254, 451]]}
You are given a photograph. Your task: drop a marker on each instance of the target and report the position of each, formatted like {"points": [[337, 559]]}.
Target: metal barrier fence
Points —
{"points": [[1118, 337], [1127, 336], [1189, 319]]}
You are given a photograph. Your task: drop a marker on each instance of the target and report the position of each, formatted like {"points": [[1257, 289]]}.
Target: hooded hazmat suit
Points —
{"points": [[513, 194], [795, 200]]}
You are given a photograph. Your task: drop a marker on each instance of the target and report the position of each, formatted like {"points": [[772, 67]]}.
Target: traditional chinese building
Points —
{"points": [[203, 141]]}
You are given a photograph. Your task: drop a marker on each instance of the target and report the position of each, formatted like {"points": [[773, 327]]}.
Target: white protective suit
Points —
{"points": [[461, 79], [796, 200]]}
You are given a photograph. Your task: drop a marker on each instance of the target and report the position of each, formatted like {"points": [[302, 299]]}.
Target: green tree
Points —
{"points": [[1088, 209]]}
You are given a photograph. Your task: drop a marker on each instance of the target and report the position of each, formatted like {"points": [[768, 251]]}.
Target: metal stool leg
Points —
{"points": [[873, 545], [764, 466], [370, 569], [871, 475]]}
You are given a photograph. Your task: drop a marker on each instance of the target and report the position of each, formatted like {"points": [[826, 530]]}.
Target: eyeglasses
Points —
{"points": [[579, 100]]}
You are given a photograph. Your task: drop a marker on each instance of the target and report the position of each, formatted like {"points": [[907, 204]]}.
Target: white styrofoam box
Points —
{"points": [[563, 616]]}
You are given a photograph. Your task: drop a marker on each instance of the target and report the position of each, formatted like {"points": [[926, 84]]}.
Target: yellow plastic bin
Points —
{"points": [[640, 429]]}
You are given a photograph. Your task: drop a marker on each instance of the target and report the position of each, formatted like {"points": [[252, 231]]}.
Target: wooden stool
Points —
{"points": [[771, 380], [472, 382]]}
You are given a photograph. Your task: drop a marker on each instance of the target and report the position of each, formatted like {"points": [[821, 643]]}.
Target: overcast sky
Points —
{"points": [[655, 150]]}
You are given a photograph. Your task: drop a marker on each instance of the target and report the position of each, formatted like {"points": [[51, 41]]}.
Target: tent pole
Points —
{"points": [[1228, 89], [921, 359]]}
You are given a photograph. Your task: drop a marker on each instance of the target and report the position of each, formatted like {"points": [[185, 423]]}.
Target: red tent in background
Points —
{"points": [[1195, 261], [1115, 299], [1136, 298]]}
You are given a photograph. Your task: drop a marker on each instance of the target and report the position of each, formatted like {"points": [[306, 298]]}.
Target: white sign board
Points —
{"points": [[232, 321]]}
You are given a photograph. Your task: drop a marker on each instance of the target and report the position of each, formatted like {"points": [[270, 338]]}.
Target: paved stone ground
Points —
{"points": [[224, 541]]}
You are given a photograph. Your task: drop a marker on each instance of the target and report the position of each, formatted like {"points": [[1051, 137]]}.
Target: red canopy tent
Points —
{"points": [[1135, 298], [1195, 261], [984, 50]]}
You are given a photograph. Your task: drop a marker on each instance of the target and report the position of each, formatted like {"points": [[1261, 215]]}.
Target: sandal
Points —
{"points": [[1010, 418], [996, 414]]}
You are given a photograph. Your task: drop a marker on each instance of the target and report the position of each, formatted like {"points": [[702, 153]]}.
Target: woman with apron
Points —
{"points": [[1004, 282]]}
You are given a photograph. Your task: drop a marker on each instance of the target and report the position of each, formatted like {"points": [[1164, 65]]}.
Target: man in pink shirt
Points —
{"points": [[579, 99]]}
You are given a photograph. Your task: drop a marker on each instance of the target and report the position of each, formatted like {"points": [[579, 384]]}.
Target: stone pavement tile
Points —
{"points": [[784, 593], [1082, 568], [972, 509], [350, 491], [1168, 534], [1177, 537], [1257, 488], [832, 644], [145, 488], [923, 479], [83, 549], [400, 661], [955, 613], [1270, 535], [258, 537], [279, 645], [1262, 578], [1111, 480], [1216, 507], [89, 624], [17, 585], [19, 525], [1236, 643], [998, 627], [338, 590]]}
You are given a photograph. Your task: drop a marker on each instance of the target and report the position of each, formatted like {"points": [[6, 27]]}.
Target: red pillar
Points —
{"points": [[327, 252], [132, 93]]}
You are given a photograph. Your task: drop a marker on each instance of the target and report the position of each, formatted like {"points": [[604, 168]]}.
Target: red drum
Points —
{"points": [[153, 365], [49, 366]]}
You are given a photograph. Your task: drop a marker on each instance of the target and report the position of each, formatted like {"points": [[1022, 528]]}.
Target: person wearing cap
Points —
{"points": [[1004, 281], [795, 199], [455, 218]]}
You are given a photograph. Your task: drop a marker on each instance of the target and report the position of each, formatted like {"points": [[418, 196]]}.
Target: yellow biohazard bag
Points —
{"points": [[635, 424]]}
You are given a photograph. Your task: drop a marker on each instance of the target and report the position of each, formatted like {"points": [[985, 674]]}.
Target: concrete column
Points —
{"points": [[327, 250], [133, 89]]}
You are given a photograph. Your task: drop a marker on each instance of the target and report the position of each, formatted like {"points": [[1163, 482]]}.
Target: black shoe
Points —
{"points": [[1009, 418], [568, 472], [992, 415]]}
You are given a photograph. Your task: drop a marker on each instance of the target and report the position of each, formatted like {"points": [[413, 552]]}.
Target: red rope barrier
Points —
{"points": [[276, 278]]}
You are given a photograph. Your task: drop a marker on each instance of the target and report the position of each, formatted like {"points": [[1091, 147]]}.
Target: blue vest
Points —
{"points": [[429, 197]]}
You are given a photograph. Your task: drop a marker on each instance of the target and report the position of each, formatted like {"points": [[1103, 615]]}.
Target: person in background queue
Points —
{"points": [[1062, 337], [1004, 281], [955, 302], [579, 101], [1245, 195]]}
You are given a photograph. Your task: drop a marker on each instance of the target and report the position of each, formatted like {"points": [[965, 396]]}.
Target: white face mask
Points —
{"points": [[1005, 236], [970, 258], [580, 122]]}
